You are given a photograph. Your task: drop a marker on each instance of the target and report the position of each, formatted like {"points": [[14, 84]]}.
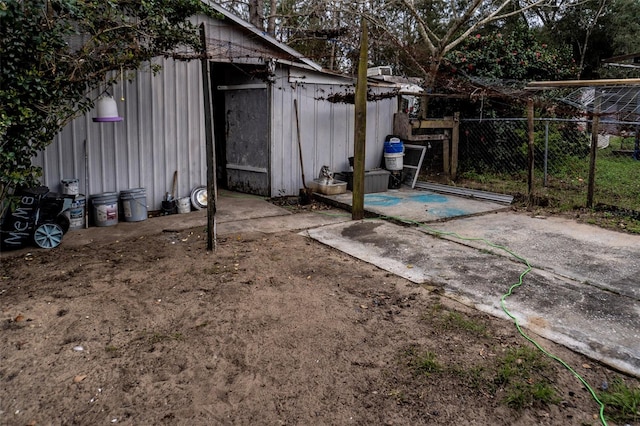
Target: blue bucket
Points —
{"points": [[393, 146]]}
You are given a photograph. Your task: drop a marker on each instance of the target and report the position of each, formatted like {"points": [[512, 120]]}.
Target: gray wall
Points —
{"points": [[326, 128], [163, 127], [162, 131]]}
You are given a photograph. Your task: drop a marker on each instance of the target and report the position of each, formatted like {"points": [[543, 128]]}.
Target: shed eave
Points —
{"points": [[267, 38]]}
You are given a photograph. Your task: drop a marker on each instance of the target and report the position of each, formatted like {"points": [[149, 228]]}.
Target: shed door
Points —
{"points": [[247, 139]]}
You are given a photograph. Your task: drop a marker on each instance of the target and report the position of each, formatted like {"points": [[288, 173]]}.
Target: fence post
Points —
{"points": [[594, 148], [531, 131], [455, 137], [546, 152]]}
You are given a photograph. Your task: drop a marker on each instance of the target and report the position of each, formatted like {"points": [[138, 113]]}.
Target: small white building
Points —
{"points": [[255, 81]]}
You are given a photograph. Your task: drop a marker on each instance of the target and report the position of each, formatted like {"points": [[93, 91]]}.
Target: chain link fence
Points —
{"points": [[493, 156]]}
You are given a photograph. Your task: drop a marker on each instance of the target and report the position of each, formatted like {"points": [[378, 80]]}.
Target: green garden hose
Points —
{"points": [[509, 293]]}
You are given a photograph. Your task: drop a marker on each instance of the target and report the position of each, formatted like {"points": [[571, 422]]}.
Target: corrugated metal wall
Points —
{"points": [[326, 129], [162, 131]]}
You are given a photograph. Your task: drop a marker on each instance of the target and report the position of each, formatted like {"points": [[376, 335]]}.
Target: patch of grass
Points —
{"points": [[458, 321], [422, 363], [523, 372], [622, 402], [475, 377], [520, 378], [398, 395], [521, 395], [454, 320], [617, 185]]}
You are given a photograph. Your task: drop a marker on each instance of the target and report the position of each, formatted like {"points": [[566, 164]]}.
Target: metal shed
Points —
{"points": [[255, 80]]}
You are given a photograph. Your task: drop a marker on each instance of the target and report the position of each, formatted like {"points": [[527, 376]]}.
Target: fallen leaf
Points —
{"points": [[364, 306], [410, 266], [19, 318], [586, 366], [79, 378]]}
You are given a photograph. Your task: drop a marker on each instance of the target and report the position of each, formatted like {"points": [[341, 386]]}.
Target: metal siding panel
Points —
{"points": [[158, 163], [342, 132], [169, 112], [144, 136], [182, 142], [188, 142], [278, 134], [307, 132], [144, 149], [131, 158], [195, 127], [327, 133], [163, 131]]}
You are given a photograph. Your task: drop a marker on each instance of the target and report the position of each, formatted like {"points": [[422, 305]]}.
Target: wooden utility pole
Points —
{"points": [[595, 124], [360, 126], [210, 144], [530, 151]]}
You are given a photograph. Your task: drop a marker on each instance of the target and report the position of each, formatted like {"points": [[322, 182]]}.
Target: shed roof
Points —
{"points": [[289, 55]]}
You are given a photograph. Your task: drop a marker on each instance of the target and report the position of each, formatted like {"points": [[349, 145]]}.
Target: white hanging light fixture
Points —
{"points": [[106, 109]]}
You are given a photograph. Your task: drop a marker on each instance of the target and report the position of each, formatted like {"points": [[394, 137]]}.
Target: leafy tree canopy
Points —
{"points": [[515, 55]]}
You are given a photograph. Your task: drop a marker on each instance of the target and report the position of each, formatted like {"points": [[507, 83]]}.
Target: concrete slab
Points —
{"points": [[235, 213], [598, 323], [417, 205], [588, 254]]}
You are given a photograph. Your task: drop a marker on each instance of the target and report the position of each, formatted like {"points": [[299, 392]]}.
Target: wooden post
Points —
{"points": [[446, 150], [210, 148], [531, 152], [594, 149], [424, 101], [455, 137], [360, 129]]}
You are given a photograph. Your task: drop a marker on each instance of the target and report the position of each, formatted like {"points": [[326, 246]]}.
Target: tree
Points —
{"points": [[580, 27], [515, 55], [443, 26], [55, 53], [623, 26]]}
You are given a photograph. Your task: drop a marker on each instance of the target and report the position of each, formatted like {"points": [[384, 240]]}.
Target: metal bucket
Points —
{"points": [[105, 209], [134, 204], [184, 205]]}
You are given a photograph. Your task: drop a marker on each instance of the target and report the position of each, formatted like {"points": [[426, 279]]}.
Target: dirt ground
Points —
{"points": [[271, 329]]}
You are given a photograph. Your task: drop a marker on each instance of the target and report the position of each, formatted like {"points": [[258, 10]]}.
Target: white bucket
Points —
{"points": [[393, 161], [134, 204], [70, 186], [184, 205], [105, 209], [76, 212]]}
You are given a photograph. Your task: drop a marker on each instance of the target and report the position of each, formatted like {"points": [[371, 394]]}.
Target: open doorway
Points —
{"points": [[242, 128]]}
